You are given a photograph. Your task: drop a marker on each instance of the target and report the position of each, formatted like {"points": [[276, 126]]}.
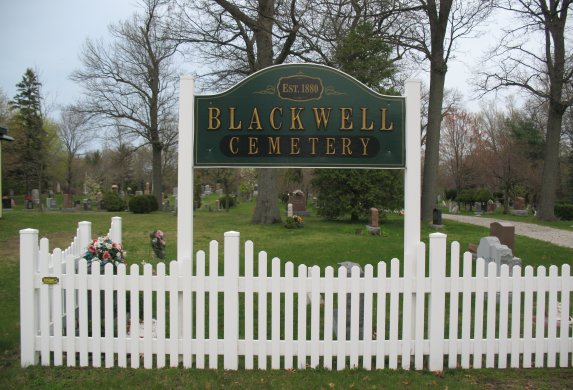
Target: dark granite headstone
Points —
{"points": [[505, 232]]}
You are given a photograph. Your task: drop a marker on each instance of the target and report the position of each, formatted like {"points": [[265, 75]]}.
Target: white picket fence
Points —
{"points": [[196, 317]]}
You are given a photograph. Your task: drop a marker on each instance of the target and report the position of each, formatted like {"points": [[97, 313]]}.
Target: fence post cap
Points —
{"points": [[29, 231], [438, 235], [232, 234]]}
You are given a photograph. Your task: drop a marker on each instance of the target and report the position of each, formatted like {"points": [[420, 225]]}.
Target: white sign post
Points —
{"points": [[412, 174], [185, 169]]}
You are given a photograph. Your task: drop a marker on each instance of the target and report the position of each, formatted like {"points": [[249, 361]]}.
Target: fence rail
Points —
{"points": [[277, 315]]}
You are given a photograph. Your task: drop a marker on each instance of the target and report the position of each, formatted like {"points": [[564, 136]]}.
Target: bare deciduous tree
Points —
{"points": [[431, 29], [131, 81], [458, 131], [545, 71], [74, 135]]}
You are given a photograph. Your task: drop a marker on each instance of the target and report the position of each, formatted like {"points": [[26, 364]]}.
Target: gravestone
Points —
{"points": [[289, 210], [455, 209], [349, 265], [36, 196], [68, 201], [437, 218], [138, 193], [519, 203], [147, 189], [298, 201], [519, 207], [6, 202], [50, 203], [505, 232], [492, 250], [491, 206], [373, 227]]}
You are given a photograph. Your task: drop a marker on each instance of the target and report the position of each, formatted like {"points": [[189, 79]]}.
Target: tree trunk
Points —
{"points": [[69, 175], [546, 207], [432, 155], [157, 188], [266, 210], [505, 201], [266, 207], [555, 23]]}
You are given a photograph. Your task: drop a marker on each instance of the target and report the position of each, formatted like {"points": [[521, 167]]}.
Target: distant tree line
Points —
{"points": [[130, 86]]}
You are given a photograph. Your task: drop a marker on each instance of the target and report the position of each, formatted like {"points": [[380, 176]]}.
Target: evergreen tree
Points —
{"points": [[365, 56], [29, 133], [353, 192]]}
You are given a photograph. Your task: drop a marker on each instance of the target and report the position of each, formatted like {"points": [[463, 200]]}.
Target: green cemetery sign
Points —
{"points": [[299, 115]]}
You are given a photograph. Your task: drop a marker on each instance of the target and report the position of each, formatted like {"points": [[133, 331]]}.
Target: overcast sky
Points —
{"points": [[47, 35]]}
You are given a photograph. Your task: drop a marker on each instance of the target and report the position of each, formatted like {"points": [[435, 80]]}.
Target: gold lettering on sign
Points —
{"points": [[383, 125], [233, 145], [272, 115], [345, 118], [346, 151], [365, 142], [255, 120], [363, 112], [232, 125], [294, 146], [253, 145], [313, 141], [295, 121], [321, 117], [214, 122], [330, 150], [274, 145]]}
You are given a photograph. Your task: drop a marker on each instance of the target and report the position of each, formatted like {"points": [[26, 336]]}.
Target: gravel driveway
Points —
{"points": [[555, 236]]}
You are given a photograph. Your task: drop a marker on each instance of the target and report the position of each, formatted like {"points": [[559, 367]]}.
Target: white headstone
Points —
{"points": [[36, 196], [491, 250], [289, 210]]}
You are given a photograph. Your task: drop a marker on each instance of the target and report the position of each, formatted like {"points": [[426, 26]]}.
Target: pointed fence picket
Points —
{"points": [[276, 315]]}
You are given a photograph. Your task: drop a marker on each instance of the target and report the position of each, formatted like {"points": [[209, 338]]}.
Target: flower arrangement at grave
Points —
{"points": [[157, 238], [294, 222], [104, 250]]}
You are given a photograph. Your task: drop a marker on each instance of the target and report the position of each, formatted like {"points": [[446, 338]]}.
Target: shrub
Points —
{"points": [[223, 200], [283, 197], [154, 206], [451, 194], [564, 211], [113, 202], [140, 204], [483, 195]]}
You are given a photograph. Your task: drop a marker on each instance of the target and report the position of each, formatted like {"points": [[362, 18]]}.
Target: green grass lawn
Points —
{"points": [[320, 242]]}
